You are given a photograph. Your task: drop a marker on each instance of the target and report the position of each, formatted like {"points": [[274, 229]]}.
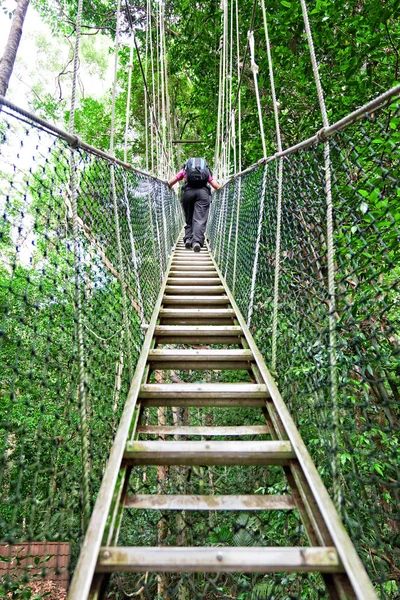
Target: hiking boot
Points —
{"points": [[196, 247], [188, 244]]}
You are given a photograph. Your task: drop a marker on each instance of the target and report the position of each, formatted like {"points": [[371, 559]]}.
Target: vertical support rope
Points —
{"points": [[133, 251], [279, 203], [115, 202], [331, 265], [277, 268], [258, 241], [239, 105], [162, 195], [236, 234], [78, 304], [127, 111], [220, 221], [254, 68], [230, 231]]}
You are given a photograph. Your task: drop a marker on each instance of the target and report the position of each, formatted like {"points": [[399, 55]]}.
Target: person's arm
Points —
{"points": [[178, 177], [172, 181], [214, 184]]}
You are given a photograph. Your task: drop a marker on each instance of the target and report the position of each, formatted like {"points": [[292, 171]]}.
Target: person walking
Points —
{"points": [[196, 198]]}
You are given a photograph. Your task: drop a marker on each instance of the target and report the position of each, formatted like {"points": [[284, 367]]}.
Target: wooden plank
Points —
{"points": [[168, 355], [194, 321], [199, 330], [194, 290], [201, 313], [203, 390], [227, 560], [203, 430], [197, 341], [186, 251], [189, 281], [187, 365], [192, 274], [204, 402], [189, 300], [188, 502], [199, 268], [194, 263], [208, 453]]}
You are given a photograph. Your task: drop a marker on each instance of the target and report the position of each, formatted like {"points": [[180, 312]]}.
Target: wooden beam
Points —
{"points": [[208, 453], [227, 560], [204, 431], [194, 290], [204, 390], [188, 301], [189, 502]]}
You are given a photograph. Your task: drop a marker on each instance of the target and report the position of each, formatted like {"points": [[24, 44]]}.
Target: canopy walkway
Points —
{"points": [[195, 307], [209, 487], [201, 426]]}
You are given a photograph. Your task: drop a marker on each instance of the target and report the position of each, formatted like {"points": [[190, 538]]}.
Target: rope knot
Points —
{"points": [[76, 142], [321, 137]]}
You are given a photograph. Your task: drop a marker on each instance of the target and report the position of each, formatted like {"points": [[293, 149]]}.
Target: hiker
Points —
{"points": [[196, 196]]}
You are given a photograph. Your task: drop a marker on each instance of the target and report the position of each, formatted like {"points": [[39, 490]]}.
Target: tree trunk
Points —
{"points": [[8, 59]]}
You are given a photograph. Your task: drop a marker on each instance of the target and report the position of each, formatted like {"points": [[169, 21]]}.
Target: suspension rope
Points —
{"points": [[217, 162], [133, 250], [77, 295], [239, 103], [115, 202], [129, 66], [279, 204], [258, 241], [331, 264], [148, 98], [239, 190], [254, 68]]}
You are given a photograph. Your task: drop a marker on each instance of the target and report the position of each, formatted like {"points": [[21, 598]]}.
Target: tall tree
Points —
{"points": [[10, 53]]}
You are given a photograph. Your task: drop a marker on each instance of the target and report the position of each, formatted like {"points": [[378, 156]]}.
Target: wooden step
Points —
{"points": [[189, 502], [193, 261], [199, 330], [189, 281], [173, 559], [203, 394], [197, 312], [199, 334], [186, 251], [189, 268], [208, 453], [192, 274], [189, 300], [204, 430], [200, 359], [204, 390], [196, 316], [194, 290]]}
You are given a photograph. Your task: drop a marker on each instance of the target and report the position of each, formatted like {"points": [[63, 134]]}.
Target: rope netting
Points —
{"points": [[352, 433], [53, 283]]}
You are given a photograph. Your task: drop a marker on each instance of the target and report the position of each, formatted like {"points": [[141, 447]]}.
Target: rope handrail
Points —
{"points": [[74, 140], [326, 132]]}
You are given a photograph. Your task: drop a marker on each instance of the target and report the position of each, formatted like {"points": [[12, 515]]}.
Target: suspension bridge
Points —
{"points": [[212, 425]]}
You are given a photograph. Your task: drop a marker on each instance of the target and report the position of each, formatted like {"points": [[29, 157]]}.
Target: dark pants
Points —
{"points": [[196, 206]]}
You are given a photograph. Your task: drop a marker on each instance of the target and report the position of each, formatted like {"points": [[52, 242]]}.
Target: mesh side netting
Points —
{"points": [[365, 190], [41, 470]]}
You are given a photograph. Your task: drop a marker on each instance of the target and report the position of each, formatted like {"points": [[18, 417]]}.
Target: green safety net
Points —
{"points": [[50, 286], [353, 435]]}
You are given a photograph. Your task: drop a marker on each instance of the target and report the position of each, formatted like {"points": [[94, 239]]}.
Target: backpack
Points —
{"points": [[197, 172]]}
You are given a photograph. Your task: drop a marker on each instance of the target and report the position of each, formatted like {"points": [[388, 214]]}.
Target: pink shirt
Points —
{"points": [[182, 175]]}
